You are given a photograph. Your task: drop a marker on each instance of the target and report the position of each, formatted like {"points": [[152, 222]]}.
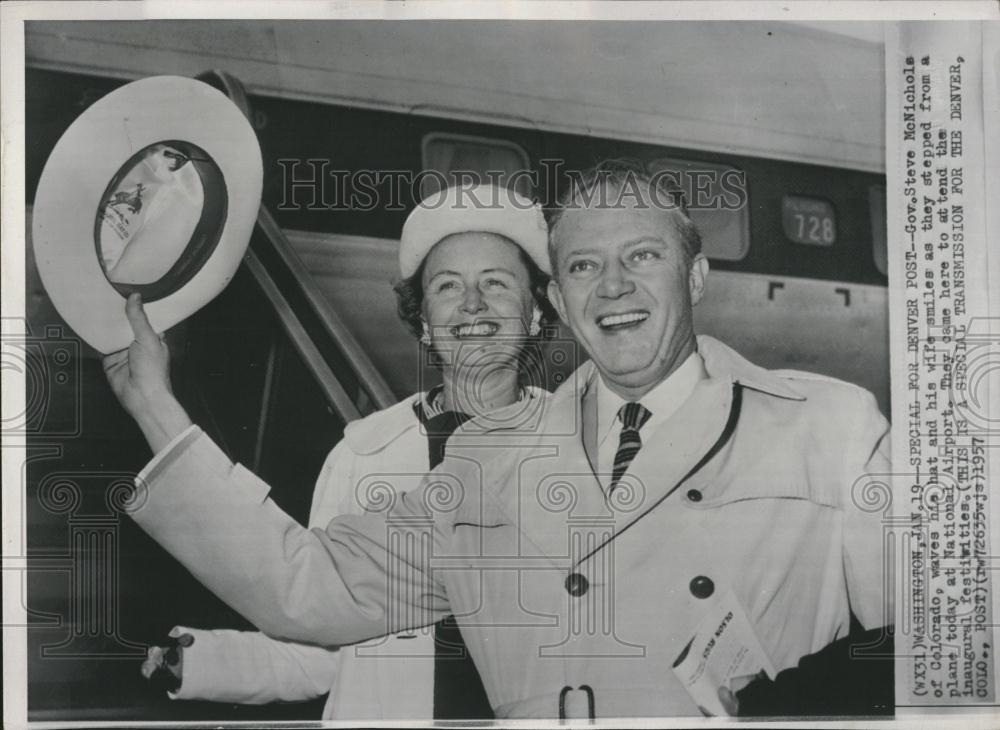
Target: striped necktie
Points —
{"points": [[632, 415]]}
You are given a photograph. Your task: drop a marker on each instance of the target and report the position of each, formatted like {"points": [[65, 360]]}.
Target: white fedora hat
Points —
{"points": [[481, 208], [155, 188]]}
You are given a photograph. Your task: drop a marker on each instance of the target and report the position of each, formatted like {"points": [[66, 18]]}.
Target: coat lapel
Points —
{"points": [[552, 487], [557, 488], [671, 453]]}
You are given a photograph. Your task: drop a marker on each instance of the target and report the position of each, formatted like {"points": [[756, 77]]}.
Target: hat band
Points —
{"points": [[206, 233]]}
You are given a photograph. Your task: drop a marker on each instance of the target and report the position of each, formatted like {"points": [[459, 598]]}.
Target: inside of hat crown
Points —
{"points": [[160, 217]]}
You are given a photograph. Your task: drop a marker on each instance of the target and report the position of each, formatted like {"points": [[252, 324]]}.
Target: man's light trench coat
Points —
{"points": [[756, 484], [390, 678]]}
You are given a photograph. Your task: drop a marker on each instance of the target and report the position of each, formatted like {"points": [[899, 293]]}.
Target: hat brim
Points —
{"points": [[76, 176]]}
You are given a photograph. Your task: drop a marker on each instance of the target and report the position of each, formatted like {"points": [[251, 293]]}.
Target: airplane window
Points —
{"points": [[811, 221], [455, 156], [717, 200], [880, 251]]}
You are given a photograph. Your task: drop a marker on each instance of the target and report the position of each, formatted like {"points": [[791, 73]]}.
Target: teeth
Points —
{"points": [[613, 320], [480, 329]]}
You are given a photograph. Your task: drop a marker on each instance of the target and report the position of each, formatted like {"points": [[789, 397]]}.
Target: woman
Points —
{"points": [[475, 271]]}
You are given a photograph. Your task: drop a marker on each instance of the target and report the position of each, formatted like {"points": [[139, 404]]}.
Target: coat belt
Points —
{"points": [[583, 701]]}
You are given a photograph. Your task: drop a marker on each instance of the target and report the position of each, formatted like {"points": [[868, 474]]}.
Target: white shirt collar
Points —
{"points": [[662, 401]]}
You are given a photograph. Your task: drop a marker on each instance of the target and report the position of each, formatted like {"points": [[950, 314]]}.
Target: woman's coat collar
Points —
{"points": [[375, 432]]}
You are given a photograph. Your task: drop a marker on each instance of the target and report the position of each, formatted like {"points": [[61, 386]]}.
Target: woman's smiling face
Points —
{"points": [[477, 300]]}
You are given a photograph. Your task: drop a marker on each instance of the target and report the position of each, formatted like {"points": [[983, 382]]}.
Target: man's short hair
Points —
{"points": [[628, 179]]}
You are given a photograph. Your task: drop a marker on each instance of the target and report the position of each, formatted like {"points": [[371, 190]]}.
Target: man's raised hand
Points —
{"points": [[140, 379]]}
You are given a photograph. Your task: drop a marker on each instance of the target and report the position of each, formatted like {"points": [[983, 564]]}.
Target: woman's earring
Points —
{"points": [[425, 338], [536, 323]]}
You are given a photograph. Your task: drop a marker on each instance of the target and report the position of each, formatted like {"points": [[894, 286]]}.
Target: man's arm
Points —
{"points": [[852, 675], [866, 498], [329, 587], [249, 667]]}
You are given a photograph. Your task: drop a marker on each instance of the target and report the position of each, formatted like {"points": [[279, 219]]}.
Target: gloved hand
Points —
{"points": [[164, 665]]}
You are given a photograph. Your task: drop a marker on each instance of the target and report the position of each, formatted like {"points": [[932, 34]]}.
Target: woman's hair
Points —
{"points": [[409, 306]]}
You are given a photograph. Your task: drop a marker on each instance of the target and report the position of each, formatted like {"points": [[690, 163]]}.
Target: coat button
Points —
{"points": [[576, 584], [702, 586], [694, 495]]}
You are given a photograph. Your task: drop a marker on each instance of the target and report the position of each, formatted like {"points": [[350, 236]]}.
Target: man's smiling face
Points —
{"points": [[626, 287]]}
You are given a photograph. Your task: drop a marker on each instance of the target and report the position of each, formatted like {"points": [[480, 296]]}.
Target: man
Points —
{"points": [[578, 551]]}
